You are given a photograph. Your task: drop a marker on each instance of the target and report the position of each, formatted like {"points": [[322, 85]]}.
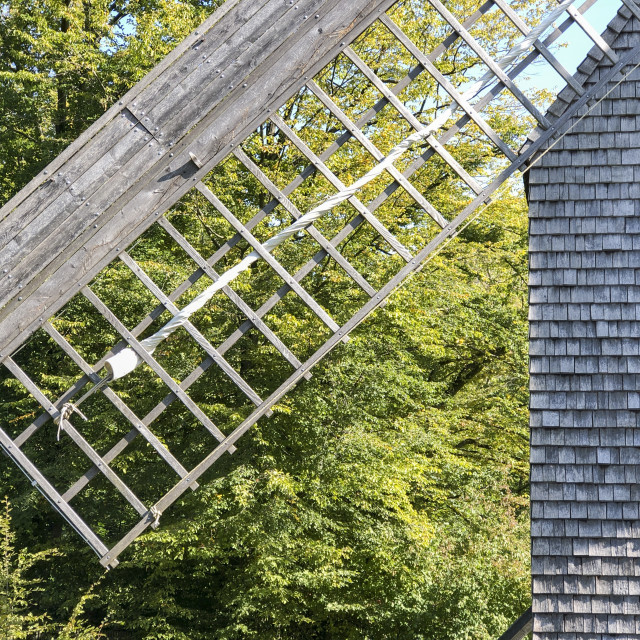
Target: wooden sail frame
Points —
{"points": [[160, 142]]}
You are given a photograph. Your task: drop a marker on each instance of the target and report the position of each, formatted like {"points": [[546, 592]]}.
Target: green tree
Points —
{"points": [[386, 497]]}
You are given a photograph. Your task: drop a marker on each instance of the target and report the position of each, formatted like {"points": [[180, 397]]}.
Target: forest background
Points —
{"points": [[388, 496]]}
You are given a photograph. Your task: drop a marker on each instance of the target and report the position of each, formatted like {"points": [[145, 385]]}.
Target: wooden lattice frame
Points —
{"points": [[104, 218]]}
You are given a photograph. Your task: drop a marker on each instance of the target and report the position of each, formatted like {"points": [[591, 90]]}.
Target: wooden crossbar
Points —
{"points": [[163, 142]]}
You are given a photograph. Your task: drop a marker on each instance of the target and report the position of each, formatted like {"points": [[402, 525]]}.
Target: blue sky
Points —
{"points": [[572, 48]]}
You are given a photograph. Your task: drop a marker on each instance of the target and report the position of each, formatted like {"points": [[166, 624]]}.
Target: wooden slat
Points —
{"points": [[112, 319], [79, 440], [58, 184], [71, 215], [420, 200], [311, 230], [412, 120], [490, 62], [54, 498], [268, 258], [454, 94], [75, 229], [521, 25], [597, 39], [202, 342], [194, 66], [183, 101], [155, 192], [389, 238], [117, 402], [91, 133], [230, 293], [481, 104]]}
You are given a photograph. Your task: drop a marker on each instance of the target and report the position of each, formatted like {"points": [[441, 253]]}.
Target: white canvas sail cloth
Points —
{"points": [[127, 360]]}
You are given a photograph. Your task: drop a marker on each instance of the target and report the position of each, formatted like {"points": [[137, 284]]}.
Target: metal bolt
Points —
{"points": [[19, 297], [4, 271], [222, 75], [306, 17], [245, 84], [316, 16], [171, 155], [45, 172], [19, 286], [95, 226]]}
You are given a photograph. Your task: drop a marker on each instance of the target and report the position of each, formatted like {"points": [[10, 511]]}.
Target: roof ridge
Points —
{"points": [[592, 61]]}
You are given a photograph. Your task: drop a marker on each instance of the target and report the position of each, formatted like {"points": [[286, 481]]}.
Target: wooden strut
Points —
{"points": [[161, 141]]}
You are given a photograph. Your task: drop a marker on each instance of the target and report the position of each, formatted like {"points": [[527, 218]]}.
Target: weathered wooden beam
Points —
{"points": [[91, 242]]}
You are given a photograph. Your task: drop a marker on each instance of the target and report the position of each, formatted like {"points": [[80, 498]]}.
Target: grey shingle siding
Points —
{"points": [[585, 365]]}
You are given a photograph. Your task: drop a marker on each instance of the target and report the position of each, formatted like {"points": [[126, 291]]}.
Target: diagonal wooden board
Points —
{"points": [[107, 188]]}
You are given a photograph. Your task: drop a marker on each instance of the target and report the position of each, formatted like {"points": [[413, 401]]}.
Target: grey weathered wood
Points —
{"points": [[489, 61], [521, 25], [204, 344], [240, 27], [521, 628], [420, 200], [412, 120], [174, 493], [230, 293], [454, 94], [584, 398], [311, 230], [56, 185], [185, 100], [391, 240], [75, 435], [481, 104], [54, 498], [110, 317], [91, 133], [342, 24], [358, 220], [116, 401], [269, 259], [272, 68], [74, 230], [592, 33], [69, 216]]}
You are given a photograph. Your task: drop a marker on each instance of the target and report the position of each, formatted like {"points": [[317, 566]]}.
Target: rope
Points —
{"points": [[127, 360]]}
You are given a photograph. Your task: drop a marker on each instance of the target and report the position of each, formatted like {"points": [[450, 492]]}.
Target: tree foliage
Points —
{"points": [[387, 496]]}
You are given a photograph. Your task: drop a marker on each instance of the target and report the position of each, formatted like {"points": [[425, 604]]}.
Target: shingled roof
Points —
{"points": [[585, 360]]}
